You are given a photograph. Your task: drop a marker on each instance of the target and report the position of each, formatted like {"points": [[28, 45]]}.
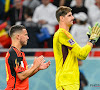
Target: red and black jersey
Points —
{"points": [[15, 62]]}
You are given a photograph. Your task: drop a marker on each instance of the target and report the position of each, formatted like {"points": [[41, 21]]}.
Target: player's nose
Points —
{"points": [[27, 37], [73, 17]]}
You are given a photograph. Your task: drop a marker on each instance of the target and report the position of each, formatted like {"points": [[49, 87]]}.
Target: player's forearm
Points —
{"points": [[34, 72], [27, 73], [89, 43], [83, 52]]}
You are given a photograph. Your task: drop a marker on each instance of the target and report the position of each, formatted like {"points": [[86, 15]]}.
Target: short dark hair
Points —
{"points": [[15, 28], [62, 11]]}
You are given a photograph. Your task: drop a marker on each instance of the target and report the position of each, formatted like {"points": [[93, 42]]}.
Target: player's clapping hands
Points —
{"points": [[39, 63], [44, 65]]}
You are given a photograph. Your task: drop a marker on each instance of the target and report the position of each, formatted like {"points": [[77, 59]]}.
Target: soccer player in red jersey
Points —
{"points": [[17, 69]]}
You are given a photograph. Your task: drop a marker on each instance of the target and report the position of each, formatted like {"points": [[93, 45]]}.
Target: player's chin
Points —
{"points": [[24, 44], [72, 22]]}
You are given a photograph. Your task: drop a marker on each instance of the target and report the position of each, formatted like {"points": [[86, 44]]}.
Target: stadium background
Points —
{"points": [[45, 79]]}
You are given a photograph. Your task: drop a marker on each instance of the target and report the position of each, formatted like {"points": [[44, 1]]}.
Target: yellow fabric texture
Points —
{"points": [[69, 87], [67, 73]]}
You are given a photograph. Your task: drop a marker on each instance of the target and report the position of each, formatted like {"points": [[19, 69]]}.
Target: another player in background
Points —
{"points": [[17, 69], [66, 51]]}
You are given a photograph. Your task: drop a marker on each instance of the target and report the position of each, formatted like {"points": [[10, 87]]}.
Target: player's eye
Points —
{"points": [[26, 34], [69, 15]]}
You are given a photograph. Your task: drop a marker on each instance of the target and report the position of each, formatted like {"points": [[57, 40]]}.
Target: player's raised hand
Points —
{"points": [[37, 61], [44, 65], [95, 33]]}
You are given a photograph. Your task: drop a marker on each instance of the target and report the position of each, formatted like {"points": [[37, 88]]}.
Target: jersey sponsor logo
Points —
{"points": [[71, 41]]}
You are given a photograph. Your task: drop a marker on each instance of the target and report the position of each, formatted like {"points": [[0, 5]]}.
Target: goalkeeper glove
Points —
{"points": [[94, 33]]}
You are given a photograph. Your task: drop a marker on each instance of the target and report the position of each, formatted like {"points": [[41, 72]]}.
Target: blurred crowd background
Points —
{"points": [[38, 16]]}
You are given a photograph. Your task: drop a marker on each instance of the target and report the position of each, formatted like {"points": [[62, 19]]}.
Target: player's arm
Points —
{"points": [[89, 43], [80, 52], [27, 73], [94, 34], [35, 71], [41, 67], [19, 68]]}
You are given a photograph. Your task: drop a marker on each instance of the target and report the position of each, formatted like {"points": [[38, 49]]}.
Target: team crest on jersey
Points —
{"points": [[71, 41]]}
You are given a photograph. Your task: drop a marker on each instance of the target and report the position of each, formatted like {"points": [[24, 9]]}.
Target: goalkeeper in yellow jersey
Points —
{"points": [[66, 50]]}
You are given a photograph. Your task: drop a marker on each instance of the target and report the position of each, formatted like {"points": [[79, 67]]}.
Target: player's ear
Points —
{"points": [[17, 36], [62, 18]]}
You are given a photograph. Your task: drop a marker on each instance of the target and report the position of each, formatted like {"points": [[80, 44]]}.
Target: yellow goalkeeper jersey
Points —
{"points": [[66, 52]]}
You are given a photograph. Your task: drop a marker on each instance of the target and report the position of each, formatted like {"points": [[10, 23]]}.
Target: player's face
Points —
{"points": [[24, 37], [68, 19]]}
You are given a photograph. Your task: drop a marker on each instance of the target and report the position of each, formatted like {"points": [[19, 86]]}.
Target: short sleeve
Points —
{"points": [[16, 63]]}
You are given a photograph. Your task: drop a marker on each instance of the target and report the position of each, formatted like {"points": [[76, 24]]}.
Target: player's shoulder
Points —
{"points": [[12, 51], [56, 34], [64, 32]]}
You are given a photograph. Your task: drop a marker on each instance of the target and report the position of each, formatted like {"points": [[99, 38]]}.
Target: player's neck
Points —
{"points": [[64, 27], [16, 45]]}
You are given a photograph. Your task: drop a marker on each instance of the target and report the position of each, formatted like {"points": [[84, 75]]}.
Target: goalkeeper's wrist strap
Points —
{"points": [[92, 41]]}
